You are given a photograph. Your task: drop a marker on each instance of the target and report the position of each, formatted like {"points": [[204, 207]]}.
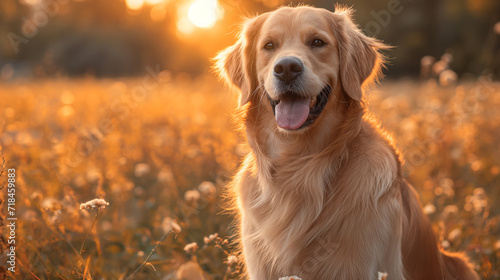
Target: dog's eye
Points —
{"points": [[269, 46], [318, 43]]}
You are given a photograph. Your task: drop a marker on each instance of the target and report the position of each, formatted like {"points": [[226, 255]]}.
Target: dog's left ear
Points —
{"points": [[360, 59], [236, 64]]}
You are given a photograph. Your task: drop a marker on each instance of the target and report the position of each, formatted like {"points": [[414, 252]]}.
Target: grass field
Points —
{"points": [[161, 149]]}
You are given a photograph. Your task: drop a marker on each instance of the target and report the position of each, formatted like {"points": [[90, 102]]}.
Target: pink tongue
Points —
{"points": [[291, 113]]}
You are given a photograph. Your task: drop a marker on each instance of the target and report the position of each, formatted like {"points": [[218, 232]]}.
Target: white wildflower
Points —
{"points": [[169, 224], [165, 175], [210, 238], [192, 195], [191, 248], [48, 203], [79, 181], [427, 61], [93, 175], [96, 203], [454, 234], [141, 169], [447, 78], [290, 278], [56, 217], [477, 202], [446, 185], [207, 188], [447, 57], [231, 259], [439, 67], [449, 210], [429, 208]]}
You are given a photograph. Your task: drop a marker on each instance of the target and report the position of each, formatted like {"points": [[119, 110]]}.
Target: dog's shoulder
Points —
{"points": [[373, 161]]}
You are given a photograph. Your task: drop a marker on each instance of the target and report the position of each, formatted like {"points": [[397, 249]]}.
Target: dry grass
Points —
{"points": [[161, 156]]}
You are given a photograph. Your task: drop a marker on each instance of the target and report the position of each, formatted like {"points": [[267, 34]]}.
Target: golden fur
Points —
{"points": [[327, 201]]}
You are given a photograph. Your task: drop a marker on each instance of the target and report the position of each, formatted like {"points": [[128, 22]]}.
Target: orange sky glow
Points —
{"points": [[190, 15]]}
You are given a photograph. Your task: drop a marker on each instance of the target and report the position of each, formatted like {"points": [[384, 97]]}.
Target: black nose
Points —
{"points": [[288, 68]]}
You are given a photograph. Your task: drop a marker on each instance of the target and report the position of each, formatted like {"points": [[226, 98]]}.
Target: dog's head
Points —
{"points": [[295, 59]]}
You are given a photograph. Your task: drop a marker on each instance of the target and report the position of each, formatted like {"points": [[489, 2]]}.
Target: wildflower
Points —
{"points": [[476, 165], [192, 195], [93, 175], [382, 275], [48, 203], [56, 217], [447, 186], [429, 208], [141, 169], [454, 234], [231, 259], [191, 248], [439, 67], [449, 210], [79, 181], [427, 61], [447, 57], [207, 188], [169, 224], [477, 202], [210, 238], [96, 203], [447, 78], [290, 278], [165, 175]]}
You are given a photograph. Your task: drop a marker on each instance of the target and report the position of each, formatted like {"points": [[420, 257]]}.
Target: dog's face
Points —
{"points": [[295, 59], [297, 63]]}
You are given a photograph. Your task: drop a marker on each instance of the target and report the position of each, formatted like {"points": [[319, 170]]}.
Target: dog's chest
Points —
{"points": [[280, 214]]}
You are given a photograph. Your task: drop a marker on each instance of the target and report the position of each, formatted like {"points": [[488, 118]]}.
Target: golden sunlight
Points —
{"points": [[203, 13], [199, 13], [134, 4]]}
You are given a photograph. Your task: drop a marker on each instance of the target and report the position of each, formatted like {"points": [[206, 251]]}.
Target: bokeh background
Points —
{"points": [[122, 37], [115, 100]]}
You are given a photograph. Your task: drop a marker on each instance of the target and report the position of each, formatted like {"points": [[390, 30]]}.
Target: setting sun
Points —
{"points": [[198, 14], [203, 13], [134, 4]]}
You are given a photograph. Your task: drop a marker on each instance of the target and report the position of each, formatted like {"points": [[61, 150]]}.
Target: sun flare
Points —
{"points": [[134, 4], [203, 13], [198, 14]]}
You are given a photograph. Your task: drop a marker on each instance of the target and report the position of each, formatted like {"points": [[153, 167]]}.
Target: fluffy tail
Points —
{"points": [[457, 266]]}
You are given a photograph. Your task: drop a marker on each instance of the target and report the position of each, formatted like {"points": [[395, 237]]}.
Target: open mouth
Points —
{"points": [[293, 112]]}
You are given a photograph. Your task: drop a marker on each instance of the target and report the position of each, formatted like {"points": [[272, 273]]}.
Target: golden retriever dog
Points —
{"points": [[321, 195]]}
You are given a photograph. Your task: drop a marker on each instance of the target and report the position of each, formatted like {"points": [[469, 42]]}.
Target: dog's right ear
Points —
{"points": [[236, 64], [229, 66]]}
